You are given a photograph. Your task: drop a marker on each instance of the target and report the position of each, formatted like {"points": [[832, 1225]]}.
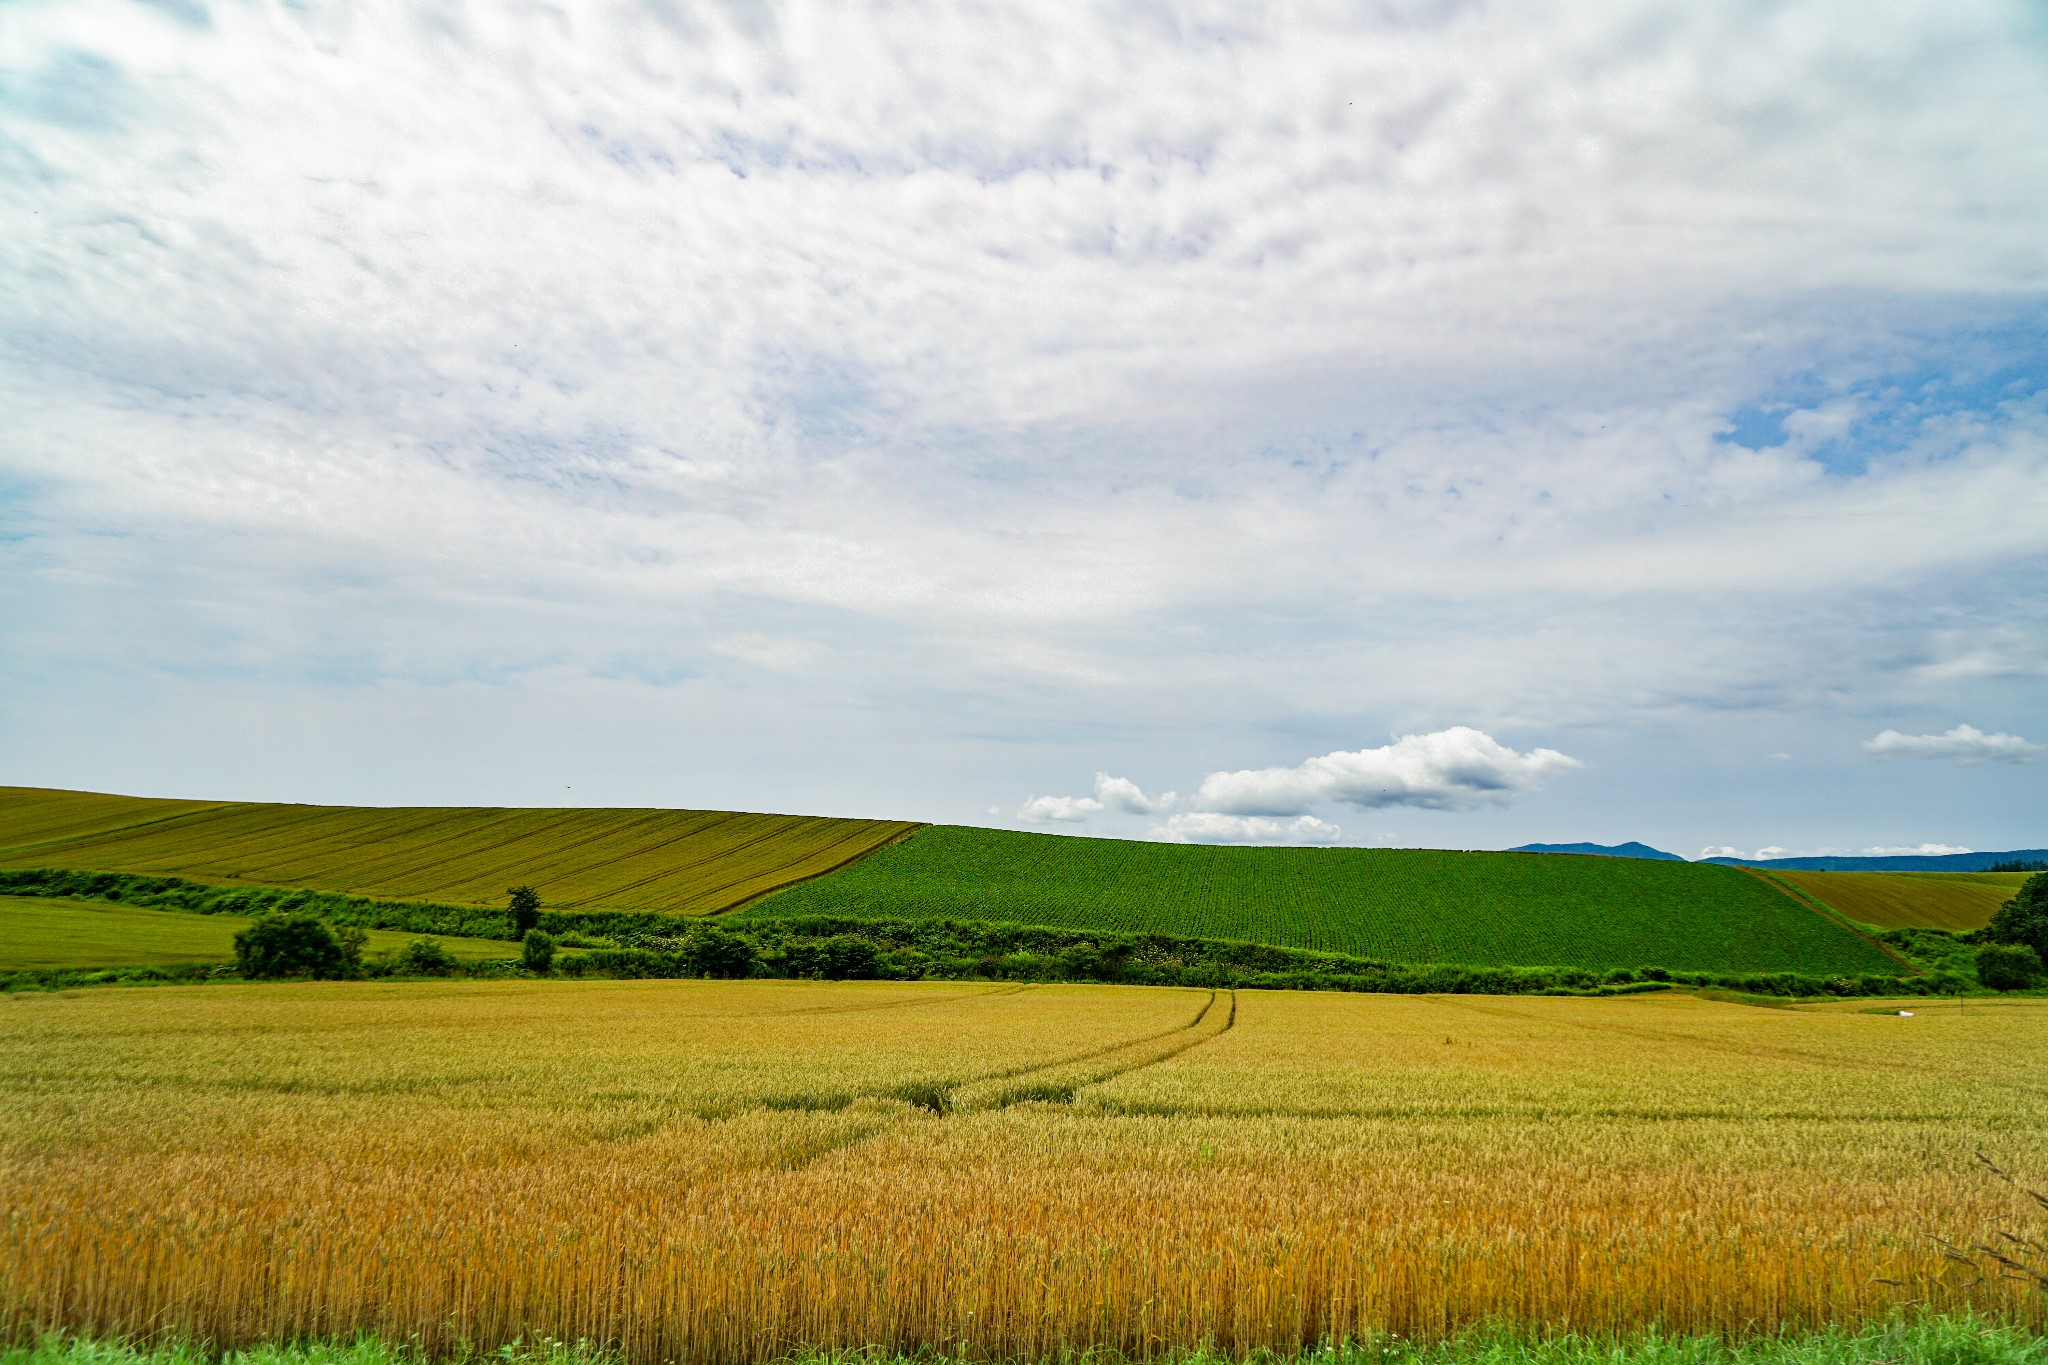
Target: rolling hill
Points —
{"points": [[678, 861], [1958, 901], [1396, 905]]}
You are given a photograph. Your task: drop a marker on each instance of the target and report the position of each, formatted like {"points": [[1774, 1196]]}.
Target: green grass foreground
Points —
{"points": [[1391, 905], [1930, 1340]]}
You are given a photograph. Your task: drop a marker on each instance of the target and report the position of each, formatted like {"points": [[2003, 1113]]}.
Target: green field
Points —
{"points": [[1397, 905], [40, 933], [1956, 901], [676, 861]]}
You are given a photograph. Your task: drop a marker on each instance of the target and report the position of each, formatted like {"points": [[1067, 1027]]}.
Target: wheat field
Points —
{"points": [[700, 1171]]}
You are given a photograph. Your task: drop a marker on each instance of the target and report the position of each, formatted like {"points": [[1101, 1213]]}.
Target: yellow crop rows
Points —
{"points": [[680, 861], [721, 1171], [1958, 901]]}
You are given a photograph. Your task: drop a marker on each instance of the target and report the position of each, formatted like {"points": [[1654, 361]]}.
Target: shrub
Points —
{"points": [[2008, 966], [708, 950], [537, 951], [848, 957], [292, 945], [424, 957], [522, 910]]}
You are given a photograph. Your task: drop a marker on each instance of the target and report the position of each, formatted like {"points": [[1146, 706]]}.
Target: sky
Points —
{"points": [[1415, 424]]}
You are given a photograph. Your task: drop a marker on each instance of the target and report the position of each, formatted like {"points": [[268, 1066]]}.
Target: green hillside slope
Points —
{"points": [[680, 861], [1397, 905]]}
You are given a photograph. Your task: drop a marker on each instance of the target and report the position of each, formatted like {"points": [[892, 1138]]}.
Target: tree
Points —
{"points": [[293, 945], [424, 957], [522, 909], [2023, 920], [2008, 966], [537, 951]]}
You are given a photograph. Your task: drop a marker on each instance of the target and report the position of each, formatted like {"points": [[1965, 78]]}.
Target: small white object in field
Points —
{"points": [[1905, 1014]]}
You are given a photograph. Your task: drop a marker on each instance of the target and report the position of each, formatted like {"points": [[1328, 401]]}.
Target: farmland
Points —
{"points": [[675, 861], [1397, 905], [71, 933], [1957, 901], [702, 1171]]}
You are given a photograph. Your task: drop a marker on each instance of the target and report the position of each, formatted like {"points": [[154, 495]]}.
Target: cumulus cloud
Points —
{"points": [[1456, 769], [1963, 744], [1111, 794], [1877, 851], [1210, 827], [1039, 809]]}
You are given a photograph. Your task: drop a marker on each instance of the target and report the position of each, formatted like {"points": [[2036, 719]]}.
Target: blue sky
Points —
{"points": [[1434, 423]]}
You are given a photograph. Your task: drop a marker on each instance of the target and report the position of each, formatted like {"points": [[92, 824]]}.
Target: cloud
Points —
{"points": [[1456, 769], [1120, 793], [1879, 851], [1209, 827], [1039, 809], [1963, 744], [1111, 794]]}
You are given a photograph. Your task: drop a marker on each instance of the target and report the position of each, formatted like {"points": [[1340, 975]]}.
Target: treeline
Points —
{"points": [[363, 912], [851, 948]]}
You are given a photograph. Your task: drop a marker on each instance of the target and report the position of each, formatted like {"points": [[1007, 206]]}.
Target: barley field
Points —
{"points": [[679, 861], [729, 1171], [1958, 901]]}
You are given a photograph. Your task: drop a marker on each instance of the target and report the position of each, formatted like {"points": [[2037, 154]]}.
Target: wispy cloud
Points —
{"points": [[1210, 827], [1963, 744]]}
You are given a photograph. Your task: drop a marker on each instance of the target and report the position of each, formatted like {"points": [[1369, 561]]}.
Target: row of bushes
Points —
{"points": [[363, 912]]}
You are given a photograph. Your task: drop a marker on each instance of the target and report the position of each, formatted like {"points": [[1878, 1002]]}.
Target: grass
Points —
{"points": [[674, 861], [1394, 905], [37, 932], [1956, 901], [734, 1172], [1924, 1339]]}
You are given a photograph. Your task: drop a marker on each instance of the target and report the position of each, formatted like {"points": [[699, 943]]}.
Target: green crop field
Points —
{"points": [[36, 932], [678, 861], [1397, 905], [1957, 901]]}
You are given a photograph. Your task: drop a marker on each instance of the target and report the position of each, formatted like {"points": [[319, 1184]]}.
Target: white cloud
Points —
{"points": [[1111, 794], [1878, 851], [1120, 793], [1963, 744], [1039, 809], [1209, 827], [1456, 769], [779, 653]]}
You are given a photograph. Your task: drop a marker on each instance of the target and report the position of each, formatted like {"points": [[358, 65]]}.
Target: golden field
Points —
{"points": [[688, 862], [722, 1171], [1957, 901]]}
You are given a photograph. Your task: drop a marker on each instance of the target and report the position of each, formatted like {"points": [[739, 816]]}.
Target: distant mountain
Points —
{"points": [[1912, 862], [1630, 849]]}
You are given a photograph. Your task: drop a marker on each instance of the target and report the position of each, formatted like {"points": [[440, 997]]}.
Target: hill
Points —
{"points": [[1631, 849], [1396, 905], [1915, 862], [678, 861], [1957, 901]]}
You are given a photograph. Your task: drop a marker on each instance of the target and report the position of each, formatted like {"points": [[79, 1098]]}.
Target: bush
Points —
{"points": [[537, 951], [293, 945], [848, 957], [708, 950], [2008, 966], [424, 957]]}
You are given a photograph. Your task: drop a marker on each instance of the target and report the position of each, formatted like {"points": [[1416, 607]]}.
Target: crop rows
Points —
{"points": [[720, 1172], [1956, 901], [687, 862], [1395, 905]]}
